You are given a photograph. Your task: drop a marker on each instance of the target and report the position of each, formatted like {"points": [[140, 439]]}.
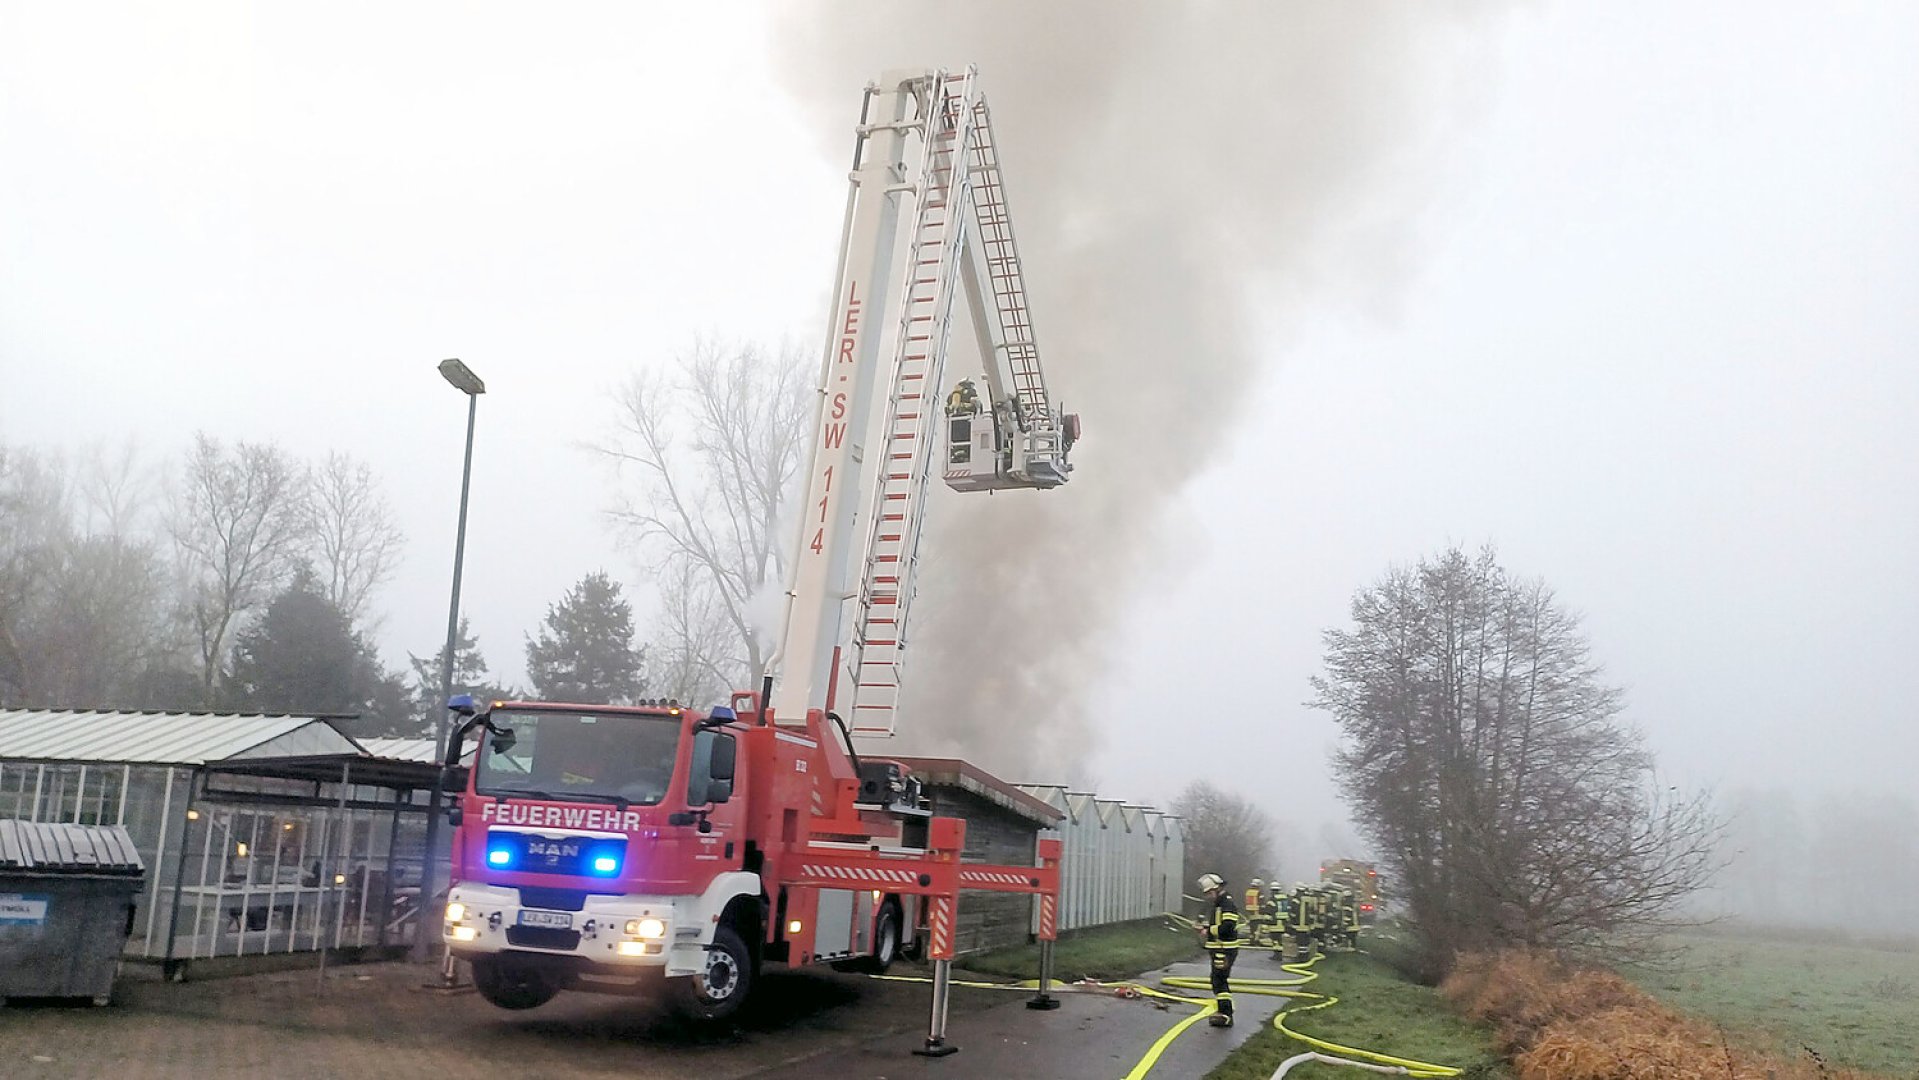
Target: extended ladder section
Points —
{"points": [[925, 162], [1030, 438], [936, 243]]}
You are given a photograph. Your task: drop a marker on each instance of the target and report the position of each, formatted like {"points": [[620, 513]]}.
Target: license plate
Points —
{"points": [[558, 920]]}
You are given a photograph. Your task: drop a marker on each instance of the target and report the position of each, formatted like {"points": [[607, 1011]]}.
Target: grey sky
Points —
{"points": [[1651, 331]]}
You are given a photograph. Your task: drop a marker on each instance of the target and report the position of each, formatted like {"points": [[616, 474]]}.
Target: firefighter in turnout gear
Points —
{"points": [[1348, 917], [964, 400], [1220, 934], [1279, 915], [1299, 924], [1253, 917]]}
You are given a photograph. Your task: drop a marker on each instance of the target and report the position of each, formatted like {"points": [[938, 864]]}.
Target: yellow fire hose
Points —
{"points": [[1287, 988]]}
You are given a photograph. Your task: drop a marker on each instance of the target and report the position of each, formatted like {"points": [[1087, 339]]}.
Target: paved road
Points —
{"points": [[1090, 1037], [373, 1021]]}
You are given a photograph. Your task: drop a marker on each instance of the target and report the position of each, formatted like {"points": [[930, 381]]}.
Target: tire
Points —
{"points": [[718, 991], [509, 985], [886, 944], [886, 939]]}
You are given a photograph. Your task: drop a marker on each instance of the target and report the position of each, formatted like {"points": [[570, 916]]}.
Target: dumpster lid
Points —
{"points": [[57, 848]]}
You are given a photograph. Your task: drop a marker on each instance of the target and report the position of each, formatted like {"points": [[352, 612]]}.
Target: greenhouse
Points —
{"points": [[260, 834]]}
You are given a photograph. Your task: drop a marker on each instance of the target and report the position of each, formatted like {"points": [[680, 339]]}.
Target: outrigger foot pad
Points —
{"points": [[936, 1048]]}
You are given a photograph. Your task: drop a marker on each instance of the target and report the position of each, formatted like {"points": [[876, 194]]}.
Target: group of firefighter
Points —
{"points": [[1294, 925]]}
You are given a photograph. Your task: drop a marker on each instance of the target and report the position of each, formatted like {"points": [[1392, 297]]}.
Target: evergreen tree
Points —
{"points": [[585, 650], [302, 656], [470, 676]]}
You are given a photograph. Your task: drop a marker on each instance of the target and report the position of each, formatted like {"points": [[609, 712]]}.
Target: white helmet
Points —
{"points": [[1209, 882], [1254, 883]]}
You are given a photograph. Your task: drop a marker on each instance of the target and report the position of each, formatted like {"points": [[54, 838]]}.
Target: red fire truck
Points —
{"points": [[1362, 878], [609, 848]]}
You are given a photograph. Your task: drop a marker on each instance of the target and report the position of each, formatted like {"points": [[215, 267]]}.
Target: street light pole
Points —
{"points": [[469, 384], [459, 563]]}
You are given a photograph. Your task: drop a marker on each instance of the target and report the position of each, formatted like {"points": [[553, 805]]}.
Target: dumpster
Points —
{"points": [[66, 908]]}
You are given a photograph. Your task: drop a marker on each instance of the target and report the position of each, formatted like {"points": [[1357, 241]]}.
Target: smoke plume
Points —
{"points": [[1177, 173]]}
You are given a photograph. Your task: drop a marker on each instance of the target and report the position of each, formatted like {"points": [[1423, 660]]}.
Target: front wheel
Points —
{"points": [[509, 985], [720, 988]]}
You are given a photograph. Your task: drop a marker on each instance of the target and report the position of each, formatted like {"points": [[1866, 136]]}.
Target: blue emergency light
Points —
{"points": [[602, 857]]}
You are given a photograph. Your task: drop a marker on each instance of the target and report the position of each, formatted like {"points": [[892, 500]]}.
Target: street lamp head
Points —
{"points": [[461, 377]]}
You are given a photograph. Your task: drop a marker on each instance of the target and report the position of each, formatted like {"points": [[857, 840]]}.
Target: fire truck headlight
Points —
{"points": [[455, 911], [465, 933], [645, 928], [793, 927]]}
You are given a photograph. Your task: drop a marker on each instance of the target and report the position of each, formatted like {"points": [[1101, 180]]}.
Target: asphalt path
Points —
{"points": [[377, 1020]]}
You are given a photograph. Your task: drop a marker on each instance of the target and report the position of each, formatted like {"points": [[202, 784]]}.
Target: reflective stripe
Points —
{"points": [[1225, 925]]}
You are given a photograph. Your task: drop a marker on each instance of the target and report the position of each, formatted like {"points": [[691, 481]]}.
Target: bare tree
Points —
{"points": [[705, 458], [114, 491], [33, 528], [235, 519], [82, 595], [104, 624], [691, 638], [1486, 760], [1224, 833], [354, 541]]}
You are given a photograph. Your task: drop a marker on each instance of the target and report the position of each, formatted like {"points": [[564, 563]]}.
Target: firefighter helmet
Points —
{"points": [[1254, 883], [1209, 882]]}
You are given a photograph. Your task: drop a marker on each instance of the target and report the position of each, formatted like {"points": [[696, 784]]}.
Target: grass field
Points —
{"points": [[1378, 1010], [1102, 952], [1852, 1004]]}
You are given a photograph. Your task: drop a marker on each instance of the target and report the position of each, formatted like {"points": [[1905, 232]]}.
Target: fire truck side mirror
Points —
{"points": [[724, 749], [718, 791]]}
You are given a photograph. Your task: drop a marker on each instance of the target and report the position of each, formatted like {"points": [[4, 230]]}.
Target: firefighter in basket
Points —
{"points": [[964, 400]]}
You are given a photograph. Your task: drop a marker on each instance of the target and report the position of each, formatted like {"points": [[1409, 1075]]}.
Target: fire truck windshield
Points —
{"points": [[570, 755]]}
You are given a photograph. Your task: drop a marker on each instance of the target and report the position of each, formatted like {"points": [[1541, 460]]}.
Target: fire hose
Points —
{"points": [[1323, 1051]]}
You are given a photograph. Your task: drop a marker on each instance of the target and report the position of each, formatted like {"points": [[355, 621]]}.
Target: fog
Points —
{"points": [[1625, 290]]}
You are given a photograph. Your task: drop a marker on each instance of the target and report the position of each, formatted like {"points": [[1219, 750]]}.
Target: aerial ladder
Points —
{"points": [[619, 845], [926, 188]]}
